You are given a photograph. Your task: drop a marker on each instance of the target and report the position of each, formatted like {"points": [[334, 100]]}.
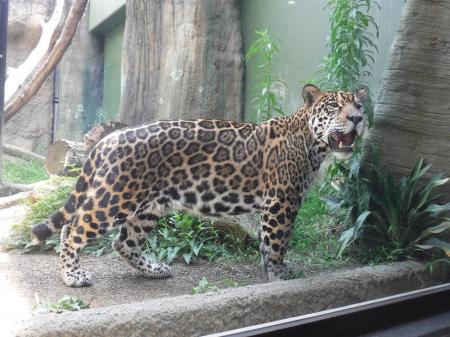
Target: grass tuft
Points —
{"points": [[23, 172], [314, 240]]}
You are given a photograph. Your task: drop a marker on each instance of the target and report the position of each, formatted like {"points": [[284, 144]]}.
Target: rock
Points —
{"points": [[240, 226]]}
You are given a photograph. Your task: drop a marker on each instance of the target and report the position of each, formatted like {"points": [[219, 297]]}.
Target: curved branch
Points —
{"points": [[17, 76], [30, 88]]}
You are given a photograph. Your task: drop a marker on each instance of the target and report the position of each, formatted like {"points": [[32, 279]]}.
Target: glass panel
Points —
{"points": [[225, 143]]}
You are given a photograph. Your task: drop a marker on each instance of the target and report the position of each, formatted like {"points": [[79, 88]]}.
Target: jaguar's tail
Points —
{"points": [[43, 230]]}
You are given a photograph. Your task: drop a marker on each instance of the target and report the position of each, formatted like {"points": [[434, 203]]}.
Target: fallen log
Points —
{"points": [[18, 152], [65, 157]]}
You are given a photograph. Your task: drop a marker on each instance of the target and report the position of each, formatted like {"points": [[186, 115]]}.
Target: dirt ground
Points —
{"points": [[114, 282], [28, 278]]}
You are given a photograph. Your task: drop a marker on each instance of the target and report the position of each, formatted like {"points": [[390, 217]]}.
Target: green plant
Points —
{"points": [[267, 102], [23, 171], [204, 286], [102, 245], [397, 218], [66, 303], [230, 283], [347, 66], [41, 207], [351, 186], [314, 239], [185, 236], [351, 44]]}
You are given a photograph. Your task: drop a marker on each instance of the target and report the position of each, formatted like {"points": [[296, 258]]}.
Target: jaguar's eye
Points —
{"points": [[357, 105], [334, 105]]}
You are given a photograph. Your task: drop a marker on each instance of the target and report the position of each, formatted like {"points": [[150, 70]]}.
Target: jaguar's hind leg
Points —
{"points": [[129, 243], [90, 222], [71, 272]]}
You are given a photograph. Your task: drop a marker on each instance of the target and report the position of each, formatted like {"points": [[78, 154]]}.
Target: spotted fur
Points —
{"points": [[135, 176]]}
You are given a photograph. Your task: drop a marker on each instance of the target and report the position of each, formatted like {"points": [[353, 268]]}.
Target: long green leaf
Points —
{"points": [[332, 202], [351, 234], [435, 243], [436, 210], [423, 194], [442, 227]]}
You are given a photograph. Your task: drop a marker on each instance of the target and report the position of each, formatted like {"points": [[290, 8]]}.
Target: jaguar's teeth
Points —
{"points": [[341, 145]]}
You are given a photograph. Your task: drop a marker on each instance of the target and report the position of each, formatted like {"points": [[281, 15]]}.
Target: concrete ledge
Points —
{"points": [[195, 315]]}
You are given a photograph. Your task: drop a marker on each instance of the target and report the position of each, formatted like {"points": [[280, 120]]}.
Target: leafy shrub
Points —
{"points": [[349, 62], [351, 44], [267, 102], [392, 219], [66, 303], [204, 286], [181, 235]]}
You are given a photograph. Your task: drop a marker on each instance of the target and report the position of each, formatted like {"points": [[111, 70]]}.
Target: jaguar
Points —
{"points": [[136, 175]]}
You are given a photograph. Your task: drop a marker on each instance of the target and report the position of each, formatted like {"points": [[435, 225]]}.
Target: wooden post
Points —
{"points": [[3, 41]]}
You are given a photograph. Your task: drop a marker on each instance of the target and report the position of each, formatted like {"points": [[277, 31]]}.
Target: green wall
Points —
{"points": [[111, 80], [302, 27]]}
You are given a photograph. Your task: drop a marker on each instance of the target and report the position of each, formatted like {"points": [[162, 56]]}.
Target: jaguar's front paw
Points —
{"points": [[158, 270], [77, 278], [278, 272]]}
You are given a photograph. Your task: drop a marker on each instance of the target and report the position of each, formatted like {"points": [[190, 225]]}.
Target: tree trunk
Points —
{"points": [[412, 113], [64, 157], [182, 60]]}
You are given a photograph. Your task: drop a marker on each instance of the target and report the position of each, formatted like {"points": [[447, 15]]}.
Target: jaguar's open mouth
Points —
{"points": [[340, 142]]}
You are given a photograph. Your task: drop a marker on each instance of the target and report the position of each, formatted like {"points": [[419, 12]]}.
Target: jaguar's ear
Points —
{"points": [[310, 93], [362, 94]]}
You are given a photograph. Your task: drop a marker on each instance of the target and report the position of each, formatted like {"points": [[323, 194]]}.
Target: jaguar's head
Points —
{"points": [[336, 118]]}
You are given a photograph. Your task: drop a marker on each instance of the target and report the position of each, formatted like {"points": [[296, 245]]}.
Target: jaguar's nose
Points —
{"points": [[355, 119]]}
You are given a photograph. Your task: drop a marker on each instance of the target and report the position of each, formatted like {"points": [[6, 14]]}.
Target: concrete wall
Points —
{"points": [[302, 27], [233, 308], [30, 127], [81, 84]]}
